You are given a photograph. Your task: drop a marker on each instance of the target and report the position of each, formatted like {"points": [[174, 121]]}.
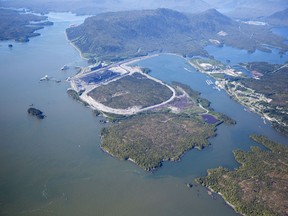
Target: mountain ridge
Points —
{"points": [[279, 18], [126, 34]]}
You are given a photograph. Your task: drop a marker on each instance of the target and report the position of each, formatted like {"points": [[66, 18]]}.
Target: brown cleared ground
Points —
{"points": [[129, 91]]}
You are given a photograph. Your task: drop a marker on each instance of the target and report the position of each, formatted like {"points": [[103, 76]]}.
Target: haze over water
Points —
{"points": [[55, 166]]}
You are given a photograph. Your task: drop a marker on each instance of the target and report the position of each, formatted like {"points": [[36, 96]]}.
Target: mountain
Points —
{"points": [[235, 8], [247, 8], [118, 35], [211, 21], [279, 18]]}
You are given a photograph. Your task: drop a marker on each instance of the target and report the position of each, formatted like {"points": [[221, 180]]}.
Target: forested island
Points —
{"points": [[20, 26], [260, 185]]}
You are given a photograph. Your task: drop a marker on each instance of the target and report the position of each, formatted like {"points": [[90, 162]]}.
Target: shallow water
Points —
{"points": [[55, 166]]}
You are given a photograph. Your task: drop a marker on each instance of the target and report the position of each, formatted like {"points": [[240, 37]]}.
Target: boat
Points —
{"points": [[187, 69], [65, 67], [45, 78], [209, 82], [217, 88], [247, 110]]}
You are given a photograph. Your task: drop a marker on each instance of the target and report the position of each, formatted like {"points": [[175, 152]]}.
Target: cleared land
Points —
{"points": [[260, 185], [214, 68], [132, 90]]}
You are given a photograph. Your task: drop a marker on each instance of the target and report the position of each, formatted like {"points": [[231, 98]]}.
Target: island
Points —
{"points": [[36, 112], [19, 25], [152, 121], [260, 185]]}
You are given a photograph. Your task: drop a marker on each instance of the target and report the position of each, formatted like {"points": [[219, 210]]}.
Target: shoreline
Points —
{"points": [[75, 47], [263, 116], [227, 202], [128, 61], [130, 110]]}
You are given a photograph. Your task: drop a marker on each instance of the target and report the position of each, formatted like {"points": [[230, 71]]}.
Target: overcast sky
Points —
{"points": [[193, 6]]}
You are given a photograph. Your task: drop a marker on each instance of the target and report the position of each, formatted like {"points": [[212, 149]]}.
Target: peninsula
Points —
{"points": [[20, 26], [260, 185], [153, 121]]}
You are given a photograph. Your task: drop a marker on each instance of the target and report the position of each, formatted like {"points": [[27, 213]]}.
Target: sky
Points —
{"points": [[247, 7]]}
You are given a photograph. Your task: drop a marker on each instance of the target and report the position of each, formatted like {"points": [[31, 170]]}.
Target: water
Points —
{"points": [[171, 68], [55, 166], [236, 56], [282, 31]]}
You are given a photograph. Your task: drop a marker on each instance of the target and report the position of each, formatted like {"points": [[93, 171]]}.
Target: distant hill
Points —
{"points": [[93, 7], [249, 9], [235, 8], [279, 18], [118, 35], [19, 26]]}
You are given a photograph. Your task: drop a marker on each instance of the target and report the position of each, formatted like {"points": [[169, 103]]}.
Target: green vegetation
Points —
{"points": [[194, 95], [149, 139], [120, 35], [132, 90], [146, 70], [218, 75], [260, 185], [273, 84], [18, 27], [194, 108], [75, 95]]}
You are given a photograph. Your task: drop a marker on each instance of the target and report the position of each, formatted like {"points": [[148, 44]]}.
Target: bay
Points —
{"points": [[236, 56]]}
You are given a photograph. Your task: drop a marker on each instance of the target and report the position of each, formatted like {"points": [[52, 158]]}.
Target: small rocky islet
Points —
{"points": [[36, 112]]}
